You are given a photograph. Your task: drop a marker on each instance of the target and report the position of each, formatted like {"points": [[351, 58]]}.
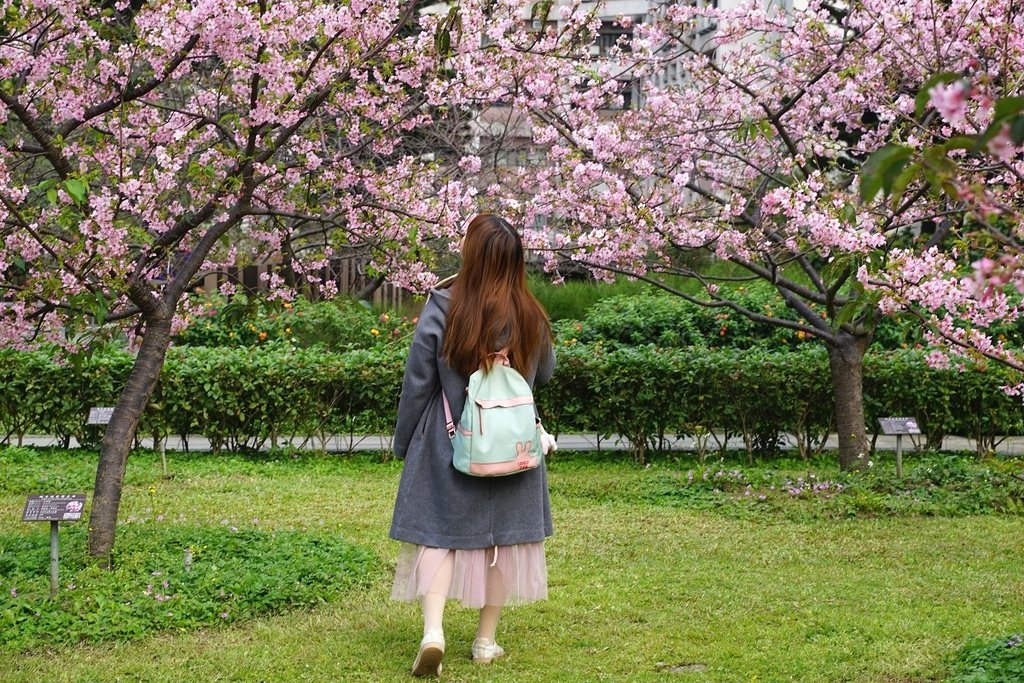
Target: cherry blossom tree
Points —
{"points": [[960, 294], [147, 144], [755, 155]]}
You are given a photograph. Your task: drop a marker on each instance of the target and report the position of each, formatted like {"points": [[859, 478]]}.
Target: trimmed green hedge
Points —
{"points": [[340, 324], [646, 393], [667, 320], [237, 397], [248, 396]]}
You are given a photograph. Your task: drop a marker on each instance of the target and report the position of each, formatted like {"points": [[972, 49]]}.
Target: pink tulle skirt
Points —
{"points": [[518, 574]]}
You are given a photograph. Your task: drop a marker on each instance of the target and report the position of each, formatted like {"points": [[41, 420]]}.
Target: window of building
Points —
{"points": [[609, 35]]}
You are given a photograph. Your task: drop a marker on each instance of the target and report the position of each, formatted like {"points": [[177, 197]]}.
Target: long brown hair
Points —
{"points": [[490, 304]]}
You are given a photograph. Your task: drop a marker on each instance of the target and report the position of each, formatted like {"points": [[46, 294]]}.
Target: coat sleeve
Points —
{"points": [[545, 368], [545, 363], [420, 383]]}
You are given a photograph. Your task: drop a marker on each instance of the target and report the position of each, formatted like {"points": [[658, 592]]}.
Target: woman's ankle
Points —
{"points": [[433, 635]]}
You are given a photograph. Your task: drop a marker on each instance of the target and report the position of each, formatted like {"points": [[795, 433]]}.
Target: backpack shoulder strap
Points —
{"points": [[449, 424], [502, 355]]}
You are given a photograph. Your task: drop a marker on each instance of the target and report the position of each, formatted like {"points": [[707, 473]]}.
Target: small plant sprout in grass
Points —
{"points": [[995, 660]]}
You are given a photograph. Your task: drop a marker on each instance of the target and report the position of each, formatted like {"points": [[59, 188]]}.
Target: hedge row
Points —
{"points": [[237, 397], [246, 397], [340, 324], [671, 321], [647, 394]]}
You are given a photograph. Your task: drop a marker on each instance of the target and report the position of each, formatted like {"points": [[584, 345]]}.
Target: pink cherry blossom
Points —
{"points": [[950, 99]]}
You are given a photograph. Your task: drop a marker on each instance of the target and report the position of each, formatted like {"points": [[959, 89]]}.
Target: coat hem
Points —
{"points": [[466, 542]]}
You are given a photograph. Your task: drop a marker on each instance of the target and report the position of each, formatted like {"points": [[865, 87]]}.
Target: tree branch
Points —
{"points": [[38, 133], [132, 92]]}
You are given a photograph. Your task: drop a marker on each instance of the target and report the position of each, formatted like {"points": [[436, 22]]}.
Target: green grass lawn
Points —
{"points": [[642, 588]]}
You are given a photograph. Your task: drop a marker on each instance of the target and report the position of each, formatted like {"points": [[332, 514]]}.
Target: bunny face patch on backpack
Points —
{"points": [[498, 433]]}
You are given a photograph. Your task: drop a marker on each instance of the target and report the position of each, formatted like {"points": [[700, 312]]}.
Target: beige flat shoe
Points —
{"points": [[428, 659], [486, 651]]}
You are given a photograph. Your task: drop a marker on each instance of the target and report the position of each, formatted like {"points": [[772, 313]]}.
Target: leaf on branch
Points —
{"points": [[849, 213], [881, 169], [77, 189], [863, 307], [443, 42], [100, 309], [541, 10], [838, 267], [1008, 107], [939, 170], [899, 185], [966, 142], [848, 312], [1007, 113], [1017, 131], [443, 36]]}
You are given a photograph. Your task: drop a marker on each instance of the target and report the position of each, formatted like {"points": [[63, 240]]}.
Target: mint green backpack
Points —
{"points": [[498, 433]]}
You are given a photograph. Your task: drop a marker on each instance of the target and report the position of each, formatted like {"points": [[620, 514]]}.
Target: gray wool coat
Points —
{"points": [[437, 505]]}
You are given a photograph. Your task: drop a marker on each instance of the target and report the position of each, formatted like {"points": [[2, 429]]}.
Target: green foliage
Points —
{"points": [[573, 298], [945, 485], [667, 320], [247, 397], [647, 393], [993, 660], [238, 397], [337, 325], [643, 319], [969, 403], [234, 575], [898, 332], [38, 394], [894, 167], [241, 398], [881, 170], [22, 473]]}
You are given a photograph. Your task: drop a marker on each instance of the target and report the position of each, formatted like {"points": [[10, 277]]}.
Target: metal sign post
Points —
{"points": [[899, 426], [54, 508], [54, 558]]}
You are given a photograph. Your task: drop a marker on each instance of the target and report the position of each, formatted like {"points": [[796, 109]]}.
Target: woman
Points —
{"points": [[477, 540]]}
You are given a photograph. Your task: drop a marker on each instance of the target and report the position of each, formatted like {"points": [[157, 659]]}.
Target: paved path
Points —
{"points": [[573, 442]]}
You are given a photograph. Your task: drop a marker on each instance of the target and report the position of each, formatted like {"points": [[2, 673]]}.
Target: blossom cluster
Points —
{"points": [[182, 138]]}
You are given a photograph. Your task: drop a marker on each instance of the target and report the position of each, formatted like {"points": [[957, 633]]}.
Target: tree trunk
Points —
{"points": [[846, 361], [120, 434]]}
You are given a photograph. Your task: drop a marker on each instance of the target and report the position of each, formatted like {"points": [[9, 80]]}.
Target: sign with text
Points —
{"points": [[899, 425], [99, 416], [54, 507]]}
